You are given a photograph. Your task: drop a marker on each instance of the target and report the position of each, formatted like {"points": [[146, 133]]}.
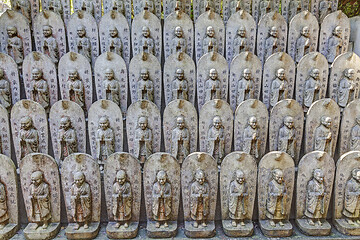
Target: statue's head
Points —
{"points": [[180, 122], [47, 31], [179, 31], [73, 74], [143, 122], [253, 122], [161, 177], [79, 178], [65, 122], [109, 74], [2, 73], [104, 123], [26, 123], [247, 73], [37, 178], [146, 32], [241, 31], [200, 176], [318, 175], [11, 31], [326, 121], [349, 73], [81, 31], [210, 32], [121, 177], [274, 32], [305, 31], [280, 73], [240, 176], [144, 74], [180, 73], [113, 32], [338, 31], [217, 122], [36, 74], [355, 173], [289, 122], [278, 175], [315, 73], [213, 74]]}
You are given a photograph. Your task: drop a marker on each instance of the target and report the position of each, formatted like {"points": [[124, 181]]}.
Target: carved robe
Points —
{"points": [[315, 199], [275, 202], [352, 199], [245, 90], [212, 41], [15, 49], [29, 141], [143, 143], [105, 144], [271, 46], [180, 89], [115, 45], [56, 7], [122, 201], [76, 92], [216, 143], [323, 139], [50, 48], [112, 90], [334, 49], [81, 202], [149, 42], [212, 89], [178, 45], [5, 93], [40, 93], [346, 92], [146, 90], [278, 91], [162, 201], [199, 201], [180, 143], [251, 142], [240, 45], [287, 141], [311, 91], [68, 142], [237, 196], [83, 47], [302, 47], [4, 216], [40, 202], [355, 138]]}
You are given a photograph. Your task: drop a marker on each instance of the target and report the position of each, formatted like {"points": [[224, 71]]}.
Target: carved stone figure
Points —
{"points": [[335, 44], [49, 45], [216, 139], [287, 139], [355, 136], [212, 86], [251, 140], [276, 199], [237, 196], [295, 7], [145, 86], [271, 43], [209, 44], [118, 6], [14, 45], [351, 209], [29, 137], [180, 86], [279, 87], [346, 89], [323, 136], [143, 140], [178, 43], [146, 42], [234, 6], [122, 200], [302, 44], [199, 199], [245, 89], [240, 43], [325, 7], [75, 88], [111, 87], [315, 192], [180, 140], [162, 199], [147, 4], [40, 88], [4, 215], [312, 87], [265, 7], [67, 138], [56, 7], [40, 200], [114, 43], [5, 91], [105, 141], [81, 202], [23, 7], [83, 43], [87, 6]]}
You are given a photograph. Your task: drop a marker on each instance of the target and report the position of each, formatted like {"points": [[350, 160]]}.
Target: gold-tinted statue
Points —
{"points": [[162, 199], [199, 199], [276, 198], [122, 200]]}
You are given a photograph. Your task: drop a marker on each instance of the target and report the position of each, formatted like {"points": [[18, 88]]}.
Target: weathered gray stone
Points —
{"points": [[5, 136], [262, 7], [171, 6], [123, 7], [153, 6], [201, 7], [9, 81], [24, 8], [322, 8], [60, 7], [230, 7], [290, 8], [92, 7]]}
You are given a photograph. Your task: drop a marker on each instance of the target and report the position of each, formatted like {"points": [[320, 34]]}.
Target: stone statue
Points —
{"points": [[265, 7], [287, 137], [23, 7], [315, 192], [312, 87], [355, 136], [199, 199], [212, 86], [87, 6], [323, 136], [351, 209], [302, 44], [148, 4], [49, 45], [29, 137], [295, 7], [143, 140], [233, 5], [145, 86], [162, 199], [251, 142], [83, 43], [122, 200], [237, 199], [276, 198], [146, 42], [114, 43], [180, 86], [335, 44], [105, 141], [40, 200], [76, 89], [67, 138], [40, 88], [240, 43], [346, 89], [118, 6], [245, 89], [325, 7], [209, 43], [81, 201], [4, 215], [271, 43], [216, 139], [279, 87], [111, 87], [14, 45], [180, 140], [5, 91], [178, 43], [56, 7]]}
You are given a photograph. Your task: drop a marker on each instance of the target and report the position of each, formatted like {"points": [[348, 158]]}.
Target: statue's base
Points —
{"points": [[122, 232], [162, 231], [8, 231], [50, 232], [239, 230], [345, 228], [277, 231], [200, 231], [314, 230], [82, 233]]}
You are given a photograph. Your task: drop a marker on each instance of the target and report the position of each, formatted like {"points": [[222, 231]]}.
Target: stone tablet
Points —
{"points": [[121, 6], [311, 79], [81, 186], [346, 196], [24, 8], [179, 78], [303, 35], [271, 35], [245, 78], [82, 34], [9, 81], [111, 79], [40, 183], [122, 180], [60, 7], [289, 8], [146, 34], [153, 6], [201, 6], [322, 125], [276, 179], [355, 34], [315, 180], [344, 81], [180, 127], [29, 128], [105, 126], [145, 78], [75, 79], [237, 190], [50, 36], [334, 35], [68, 130], [92, 7], [240, 34], [251, 128], [178, 34], [278, 79], [40, 79], [5, 136], [322, 8], [143, 128], [212, 78], [162, 195], [199, 184], [171, 6], [262, 7], [216, 129], [114, 35], [9, 194], [286, 128], [15, 36], [209, 34], [229, 7]]}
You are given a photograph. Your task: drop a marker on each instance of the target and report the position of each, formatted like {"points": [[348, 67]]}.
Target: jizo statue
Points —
{"points": [[245, 89], [216, 139], [212, 86], [237, 199], [323, 136], [118, 6], [56, 7], [276, 199], [279, 87], [265, 6], [355, 136], [146, 42], [143, 139], [40, 88], [287, 139], [76, 88], [122, 199], [145, 86], [335, 44], [325, 8], [105, 141], [271, 43], [5, 91], [346, 89], [29, 137], [199, 199], [179, 43], [83, 43], [210, 43], [302, 44], [180, 86], [67, 138], [87, 6], [180, 140], [111, 86], [4, 214], [312, 87], [49, 45], [161, 200], [351, 209], [14, 45], [295, 7], [23, 7], [240, 43], [114, 43], [251, 138]]}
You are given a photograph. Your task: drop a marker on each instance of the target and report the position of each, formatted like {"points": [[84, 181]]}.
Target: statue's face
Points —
{"points": [[79, 181], [306, 32], [350, 74], [289, 123], [73, 75], [144, 75], [64, 124], [113, 33], [36, 179], [36, 75], [281, 74], [146, 32], [247, 74], [315, 74], [121, 180], [161, 179], [253, 123], [210, 32], [47, 32], [240, 179], [274, 32], [81, 32], [213, 75], [217, 123], [26, 125], [178, 32], [104, 125], [180, 123], [11, 32], [338, 31], [327, 122], [143, 124], [279, 178], [241, 32], [180, 75], [200, 180], [109, 75], [319, 177]]}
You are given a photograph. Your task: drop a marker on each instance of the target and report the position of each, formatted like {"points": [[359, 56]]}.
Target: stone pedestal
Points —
{"points": [[82, 233], [238, 231], [161, 232], [345, 228], [37, 234], [278, 231], [8, 231], [200, 232], [316, 230], [122, 232]]}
